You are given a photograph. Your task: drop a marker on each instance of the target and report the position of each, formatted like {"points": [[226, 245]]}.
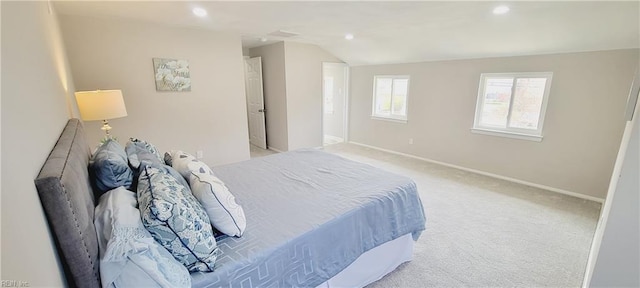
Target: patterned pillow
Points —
{"points": [[225, 214], [140, 157], [179, 160], [175, 220], [109, 167], [149, 147]]}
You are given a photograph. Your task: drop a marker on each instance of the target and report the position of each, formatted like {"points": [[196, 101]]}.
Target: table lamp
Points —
{"points": [[101, 105]]}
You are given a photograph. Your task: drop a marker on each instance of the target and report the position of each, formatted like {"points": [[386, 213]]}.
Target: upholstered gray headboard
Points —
{"points": [[68, 201]]}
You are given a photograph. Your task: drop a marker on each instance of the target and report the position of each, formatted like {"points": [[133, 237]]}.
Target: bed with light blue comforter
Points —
{"points": [[309, 215]]}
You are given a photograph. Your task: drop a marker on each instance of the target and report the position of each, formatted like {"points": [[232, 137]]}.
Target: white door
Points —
{"points": [[335, 79], [255, 101]]}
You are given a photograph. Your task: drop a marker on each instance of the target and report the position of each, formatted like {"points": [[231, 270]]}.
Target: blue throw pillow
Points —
{"points": [[178, 222], [109, 167], [147, 146], [141, 155]]}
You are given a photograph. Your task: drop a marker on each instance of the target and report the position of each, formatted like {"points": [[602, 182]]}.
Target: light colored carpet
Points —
{"points": [[485, 232], [330, 140], [256, 151]]}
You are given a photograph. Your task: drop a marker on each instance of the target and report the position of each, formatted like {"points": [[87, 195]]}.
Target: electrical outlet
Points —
{"points": [[199, 154], [410, 140]]}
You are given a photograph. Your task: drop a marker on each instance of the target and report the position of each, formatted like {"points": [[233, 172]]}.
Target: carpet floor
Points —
{"points": [[486, 232], [256, 151]]}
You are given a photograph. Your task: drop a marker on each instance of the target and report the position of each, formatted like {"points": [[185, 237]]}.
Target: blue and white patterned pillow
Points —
{"points": [[225, 214], [149, 147], [140, 156], [176, 220]]}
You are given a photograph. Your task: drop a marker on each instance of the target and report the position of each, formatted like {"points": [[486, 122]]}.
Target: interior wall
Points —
{"points": [[36, 84], [275, 93], [303, 67], [617, 260], [117, 54], [582, 130]]}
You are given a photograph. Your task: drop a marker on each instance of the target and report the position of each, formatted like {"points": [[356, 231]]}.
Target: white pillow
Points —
{"points": [[224, 213], [129, 256]]}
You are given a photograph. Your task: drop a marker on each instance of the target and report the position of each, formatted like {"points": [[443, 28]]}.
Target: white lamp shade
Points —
{"points": [[101, 104]]}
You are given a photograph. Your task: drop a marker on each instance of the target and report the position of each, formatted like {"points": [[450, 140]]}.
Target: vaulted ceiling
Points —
{"points": [[400, 32]]}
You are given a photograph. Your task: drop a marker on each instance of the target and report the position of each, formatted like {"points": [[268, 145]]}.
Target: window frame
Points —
{"points": [[512, 132], [390, 117]]}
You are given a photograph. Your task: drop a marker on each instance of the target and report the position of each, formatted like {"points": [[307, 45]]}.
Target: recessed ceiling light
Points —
{"points": [[500, 10], [199, 12], [348, 36], [263, 39]]}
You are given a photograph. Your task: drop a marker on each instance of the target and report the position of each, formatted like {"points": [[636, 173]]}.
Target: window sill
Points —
{"points": [[389, 119], [520, 136]]}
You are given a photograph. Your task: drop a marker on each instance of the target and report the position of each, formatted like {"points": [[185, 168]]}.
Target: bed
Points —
{"points": [[313, 219]]}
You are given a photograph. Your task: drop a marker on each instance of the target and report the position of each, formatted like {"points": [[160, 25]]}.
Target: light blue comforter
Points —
{"points": [[309, 215]]}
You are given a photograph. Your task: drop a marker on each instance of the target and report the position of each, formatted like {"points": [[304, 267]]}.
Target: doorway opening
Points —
{"points": [[335, 82]]}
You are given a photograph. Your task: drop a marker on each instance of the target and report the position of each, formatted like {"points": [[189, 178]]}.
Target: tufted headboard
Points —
{"points": [[68, 201]]}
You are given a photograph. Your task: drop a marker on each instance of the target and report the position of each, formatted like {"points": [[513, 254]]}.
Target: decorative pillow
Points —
{"points": [[179, 160], [129, 256], [167, 159], [140, 152], [176, 221], [140, 156], [150, 147], [109, 167], [225, 214]]}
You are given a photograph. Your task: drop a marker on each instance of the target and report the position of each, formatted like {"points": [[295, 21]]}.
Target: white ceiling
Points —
{"points": [[401, 32]]}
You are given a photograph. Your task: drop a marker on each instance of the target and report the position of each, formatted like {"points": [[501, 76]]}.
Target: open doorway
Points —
{"points": [[335, 81]]}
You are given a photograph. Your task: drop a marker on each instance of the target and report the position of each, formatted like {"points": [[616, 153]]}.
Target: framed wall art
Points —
{"points": [[172, 74]]}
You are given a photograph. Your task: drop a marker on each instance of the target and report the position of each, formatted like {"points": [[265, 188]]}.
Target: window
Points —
{"points": [[390, 97], [512, 104]]}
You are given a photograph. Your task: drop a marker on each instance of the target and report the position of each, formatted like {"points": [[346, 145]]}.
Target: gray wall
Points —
{"points": [[117, 54], [36, 87], [275, 93], [582, 130], [303, 67], [292, 84], [618, 259]]}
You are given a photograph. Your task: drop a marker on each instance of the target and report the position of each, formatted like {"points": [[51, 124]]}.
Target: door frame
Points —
{"points": [[346, 98]]}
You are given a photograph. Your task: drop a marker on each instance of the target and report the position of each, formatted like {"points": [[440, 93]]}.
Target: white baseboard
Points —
{"points": [[274, 149], [553, 189]]}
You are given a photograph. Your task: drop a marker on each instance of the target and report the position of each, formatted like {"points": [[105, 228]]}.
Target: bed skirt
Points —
{"points": [[374, 264]]}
